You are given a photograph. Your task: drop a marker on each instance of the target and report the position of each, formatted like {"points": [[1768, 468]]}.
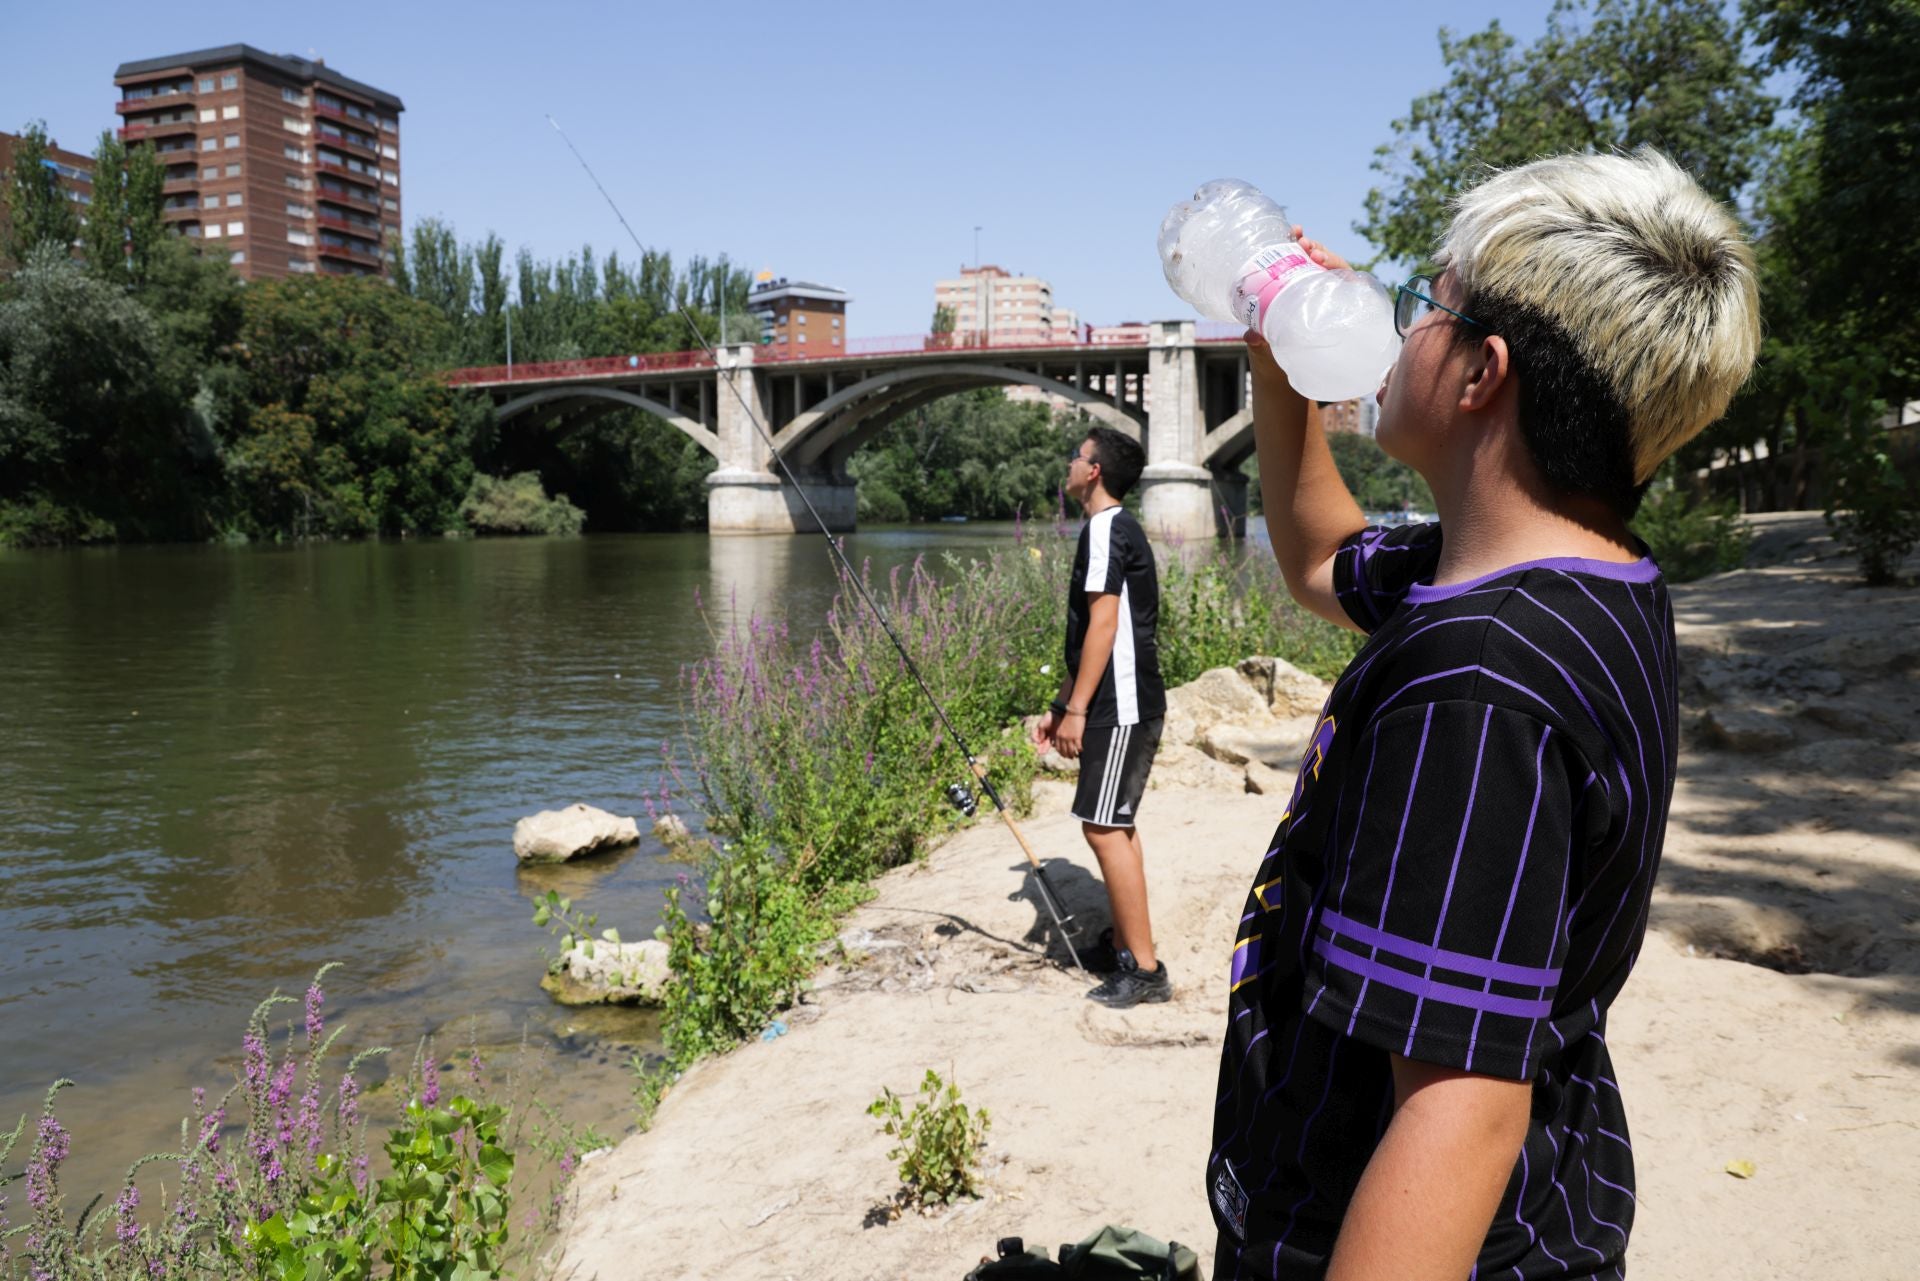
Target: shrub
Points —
{"points": [[1691, 539], [518, 505], [1873, 510], [939, 1141]]}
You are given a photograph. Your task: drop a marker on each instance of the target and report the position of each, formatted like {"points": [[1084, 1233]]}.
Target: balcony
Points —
{"points": [[350, 199], [126, 105], [370, 150], [350, 228], [155, 129], [360, 256]]}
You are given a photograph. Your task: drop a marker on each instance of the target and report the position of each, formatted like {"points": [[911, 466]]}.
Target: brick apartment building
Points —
{"points": [[72, 171], [281, 161], [992, 304], [798, 313]]}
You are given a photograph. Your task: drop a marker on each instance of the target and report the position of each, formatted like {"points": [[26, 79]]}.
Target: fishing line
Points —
{"points": [[957, 794]]}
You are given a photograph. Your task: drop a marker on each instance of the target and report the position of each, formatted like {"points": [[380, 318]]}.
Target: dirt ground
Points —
{"points": [[1774, 1017]]}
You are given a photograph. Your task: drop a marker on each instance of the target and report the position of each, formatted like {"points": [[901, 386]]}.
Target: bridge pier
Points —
{"points": [[740, 501], [1176, 498]]}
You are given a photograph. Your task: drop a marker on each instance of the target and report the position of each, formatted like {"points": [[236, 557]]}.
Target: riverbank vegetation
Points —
{"points": [[817, 763], [276, 1176]]}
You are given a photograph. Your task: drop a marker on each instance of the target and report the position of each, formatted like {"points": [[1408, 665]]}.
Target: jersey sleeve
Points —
{"points": [[1441, 937], [1107, 555], [1373, 569]]}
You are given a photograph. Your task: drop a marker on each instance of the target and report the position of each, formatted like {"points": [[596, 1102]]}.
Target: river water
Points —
{"points": [[221, 768]]}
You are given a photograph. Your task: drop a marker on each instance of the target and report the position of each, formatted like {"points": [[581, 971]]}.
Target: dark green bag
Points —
{"points": [[1111, 1254]]}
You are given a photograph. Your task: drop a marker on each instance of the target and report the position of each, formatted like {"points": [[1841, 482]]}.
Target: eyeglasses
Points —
{"points": [[1077, 457], [1411, 306]]}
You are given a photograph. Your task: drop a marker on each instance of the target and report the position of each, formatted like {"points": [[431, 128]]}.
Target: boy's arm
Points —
{"points": [[1309, 511], [1103, 623], [1430, 1191]]}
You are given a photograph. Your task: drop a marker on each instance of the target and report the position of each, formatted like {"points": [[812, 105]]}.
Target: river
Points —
{"points": [[221, 768]]}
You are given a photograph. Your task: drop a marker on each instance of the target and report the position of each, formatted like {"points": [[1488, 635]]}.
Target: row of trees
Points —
{"points": [[1828, 181], [146, 394]]}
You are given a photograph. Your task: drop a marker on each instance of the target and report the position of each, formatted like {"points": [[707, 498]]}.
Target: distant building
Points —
{"points": [[1356, 416], [1127, 331], [288, 165], [990, 304], [73, 172], [799, 313]]}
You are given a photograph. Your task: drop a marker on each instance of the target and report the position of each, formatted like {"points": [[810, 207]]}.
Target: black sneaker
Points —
{"points": [[1103, 957], [1129, 985]]}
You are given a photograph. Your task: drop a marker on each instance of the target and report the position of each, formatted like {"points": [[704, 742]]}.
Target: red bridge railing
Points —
{"points": [[792, 353]]}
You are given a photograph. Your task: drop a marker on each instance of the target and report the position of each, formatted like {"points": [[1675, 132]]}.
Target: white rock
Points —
{"points": [[554, 836], [616, 974], [671, 829], [1288, 690], [1276, 744], [1181, 765], [1264, 780], [1739, 730], [1218, 697]]}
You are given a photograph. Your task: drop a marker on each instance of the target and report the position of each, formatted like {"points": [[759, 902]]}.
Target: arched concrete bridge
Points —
{"points": [[1181, 394]]}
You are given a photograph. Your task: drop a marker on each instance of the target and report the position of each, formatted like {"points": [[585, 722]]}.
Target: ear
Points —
{"points": [[1491, 370]]}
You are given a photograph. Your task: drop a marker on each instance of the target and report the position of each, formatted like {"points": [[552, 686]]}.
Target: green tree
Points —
{"points": [[974, 454], [37, 209], [1378, 483], [346, 428], [125, 229], [1606, 74]]}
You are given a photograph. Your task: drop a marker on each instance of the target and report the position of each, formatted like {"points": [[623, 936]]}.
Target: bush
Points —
{"points": [[518, 505], [1873, 510], [1690, 539], [939, 1141]]}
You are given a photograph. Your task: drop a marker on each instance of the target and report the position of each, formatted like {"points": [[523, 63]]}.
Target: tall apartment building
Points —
{"points": [[799, 313], [993, 305], [283, 162], [73, 174]]}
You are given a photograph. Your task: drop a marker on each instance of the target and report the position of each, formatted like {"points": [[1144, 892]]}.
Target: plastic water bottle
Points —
{"points": [[1230, 252]]}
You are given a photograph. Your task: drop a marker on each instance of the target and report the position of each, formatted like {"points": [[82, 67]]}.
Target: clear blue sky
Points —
{"points": [[856, 144]]}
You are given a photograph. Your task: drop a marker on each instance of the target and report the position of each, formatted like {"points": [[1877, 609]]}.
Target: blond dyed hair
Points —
{"points": [[1647, 275]]}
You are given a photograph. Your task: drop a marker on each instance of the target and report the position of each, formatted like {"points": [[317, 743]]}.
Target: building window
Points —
{"points": [[392, 205], [836, 340], [209, 144], [293, 126], [229, 113], [230, 81], [210, 173], [292, 152], [801, 318], [193, 229], [239, 255], [206, 115], [209, 202], [299, 238], [836, 325], [233, 170], [206, 84], [299, 211], [233, 199], [803, 337], [300, 266], [389, 151], [236, 228], [294, 96], [213, 229]]}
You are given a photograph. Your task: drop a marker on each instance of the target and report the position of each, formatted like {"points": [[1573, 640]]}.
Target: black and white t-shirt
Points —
{"points": [[1113, 556], [1461, 877]]}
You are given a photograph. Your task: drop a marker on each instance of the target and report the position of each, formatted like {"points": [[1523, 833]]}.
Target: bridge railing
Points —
{"points": [[790, 353]]}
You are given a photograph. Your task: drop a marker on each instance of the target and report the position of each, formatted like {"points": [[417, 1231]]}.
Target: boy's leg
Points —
{"points": [[1124, 869]]}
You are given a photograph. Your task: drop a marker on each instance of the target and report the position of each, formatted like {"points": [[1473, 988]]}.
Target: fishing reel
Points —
{"points": [[960, 796]]}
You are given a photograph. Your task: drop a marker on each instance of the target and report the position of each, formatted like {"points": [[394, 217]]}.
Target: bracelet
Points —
{"points": [[1076, 711], [1059, 706]]}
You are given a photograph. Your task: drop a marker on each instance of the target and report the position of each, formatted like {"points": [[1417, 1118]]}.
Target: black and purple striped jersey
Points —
{"points": [[1462, 878]]}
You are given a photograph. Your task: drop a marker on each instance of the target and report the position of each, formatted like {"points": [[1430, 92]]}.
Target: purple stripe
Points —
{"points": [[1639, 571], [1466, 997], [1414, 950], [1460, 671], [1453, 872], [1393, 868], [1513, 892]]}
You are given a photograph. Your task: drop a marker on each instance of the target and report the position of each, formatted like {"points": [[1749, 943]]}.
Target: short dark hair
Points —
{"points": [[1121, 459], [1576, 427]]}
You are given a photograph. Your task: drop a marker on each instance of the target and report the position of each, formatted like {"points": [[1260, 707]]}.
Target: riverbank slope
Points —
{"points": [[1774, 1017]]}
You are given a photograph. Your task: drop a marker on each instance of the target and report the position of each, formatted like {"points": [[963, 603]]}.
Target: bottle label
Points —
{"points": [[1270, 271]]}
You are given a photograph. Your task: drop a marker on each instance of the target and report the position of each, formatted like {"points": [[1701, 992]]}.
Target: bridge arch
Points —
{"points": [[818, 431], [700, 434]]}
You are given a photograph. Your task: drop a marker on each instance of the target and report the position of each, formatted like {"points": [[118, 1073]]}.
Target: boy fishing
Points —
{"points": [[1415, 1081], [1111, 706]]}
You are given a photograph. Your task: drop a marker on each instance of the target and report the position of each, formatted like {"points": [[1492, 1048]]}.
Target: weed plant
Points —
{"points": [[937, 1143], [274, 1177]]}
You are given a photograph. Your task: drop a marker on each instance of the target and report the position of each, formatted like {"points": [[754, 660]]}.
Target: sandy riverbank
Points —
{"points": [[1774, 1017]]}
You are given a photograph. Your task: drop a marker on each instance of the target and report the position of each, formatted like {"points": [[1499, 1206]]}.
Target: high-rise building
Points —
{"points": [[798, 313], [282, 161], [990, 304], [73, 174]]}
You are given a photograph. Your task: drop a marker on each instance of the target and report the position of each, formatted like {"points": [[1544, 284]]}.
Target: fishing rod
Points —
{"points": [[958, 794]]}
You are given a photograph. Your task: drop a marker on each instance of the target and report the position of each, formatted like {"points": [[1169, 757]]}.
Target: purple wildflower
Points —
{"points": [[315, 1024], [210, 1129], [281, 1087], [360, 1172], [43, 1170], [349, 1101], [258, 1066], [475, 1067], [430, 1081], [126, 1227], [308, 1122]]}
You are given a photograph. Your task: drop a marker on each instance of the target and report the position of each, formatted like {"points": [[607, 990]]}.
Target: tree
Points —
{"points": [[1606, 74], [1378, 483], [974, 454], [38, 211], [124, 228]]}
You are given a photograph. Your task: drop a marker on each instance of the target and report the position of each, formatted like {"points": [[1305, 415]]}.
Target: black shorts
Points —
{"points": [[1114, 763]]}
